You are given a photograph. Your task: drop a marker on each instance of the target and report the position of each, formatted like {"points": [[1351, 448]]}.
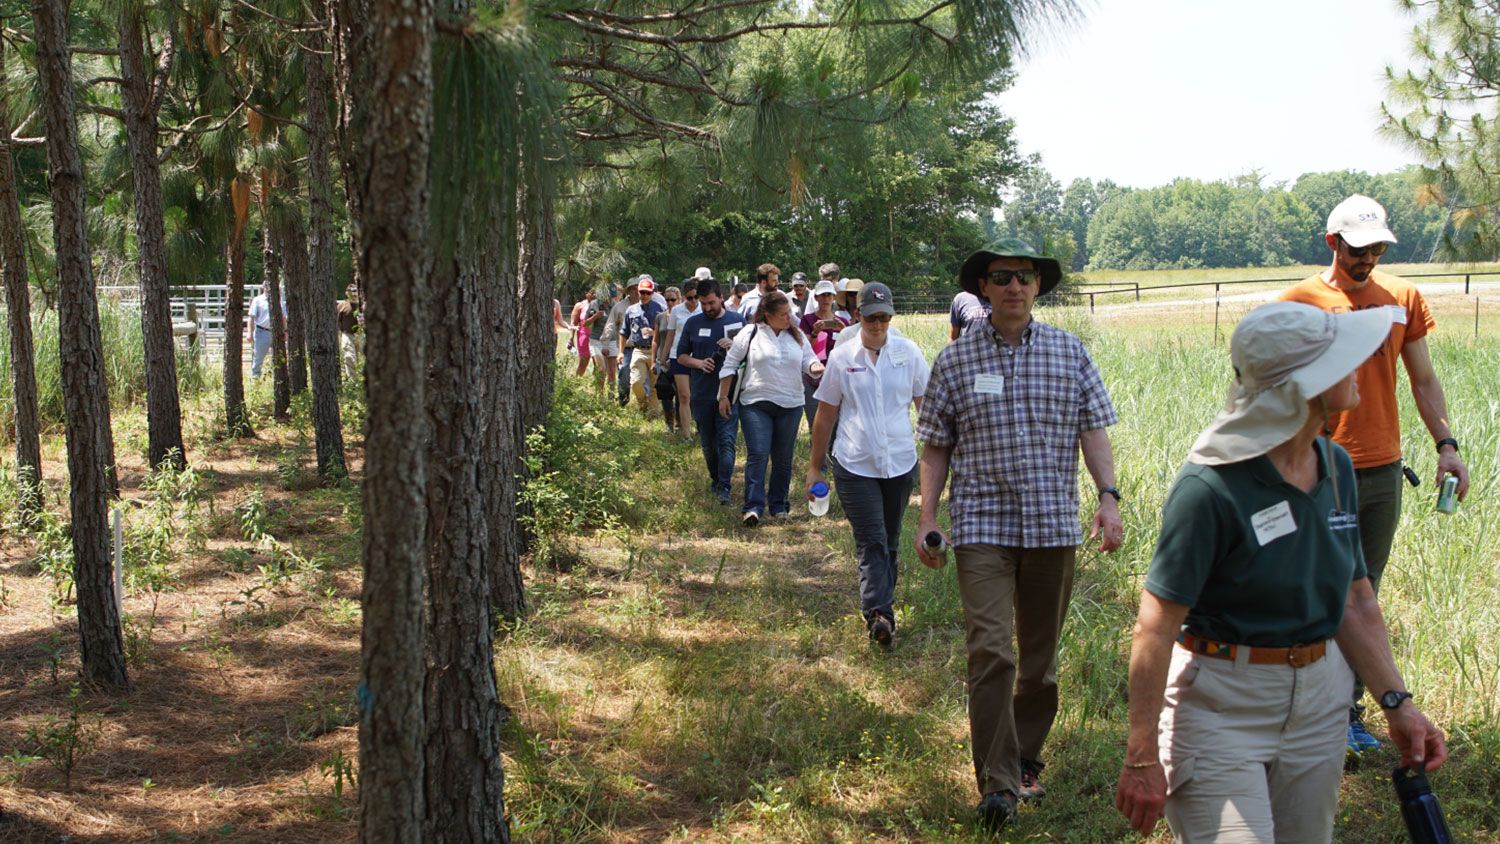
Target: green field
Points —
{"points": [[686, 679]]}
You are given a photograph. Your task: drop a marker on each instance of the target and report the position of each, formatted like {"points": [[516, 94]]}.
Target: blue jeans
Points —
{"points": [[770, 434], [875, 508], [262, 348], [717, 436]]}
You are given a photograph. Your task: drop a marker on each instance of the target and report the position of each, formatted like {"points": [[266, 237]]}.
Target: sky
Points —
{"points": [[1146, 91]]}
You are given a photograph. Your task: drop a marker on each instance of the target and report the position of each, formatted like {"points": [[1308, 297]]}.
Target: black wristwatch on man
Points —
{"points": [[1109, 490], [1447, 441], [1393, 699]]}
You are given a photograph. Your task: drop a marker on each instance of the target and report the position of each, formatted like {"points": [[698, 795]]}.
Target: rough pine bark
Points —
{"points": [[465, 786], [503, 454], [85, 390], [537, 343], [163, 408], [271, 264], [322, 323], [291, 237], [236, 415], [392, 52], [344, 16], [18, 315]]}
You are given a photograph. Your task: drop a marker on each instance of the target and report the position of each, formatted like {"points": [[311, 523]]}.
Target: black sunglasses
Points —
{"points": [[1376, 249], [1005, 277]]}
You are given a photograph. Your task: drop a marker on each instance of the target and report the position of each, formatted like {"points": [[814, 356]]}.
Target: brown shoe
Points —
{"points": [[1031, 782]]}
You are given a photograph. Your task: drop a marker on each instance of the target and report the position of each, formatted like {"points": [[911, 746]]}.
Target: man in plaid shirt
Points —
{"points": [[1008, 407]]}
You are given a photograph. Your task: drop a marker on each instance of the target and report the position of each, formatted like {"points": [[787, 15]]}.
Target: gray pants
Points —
{"points": [[1379, 511], [875, 507]]}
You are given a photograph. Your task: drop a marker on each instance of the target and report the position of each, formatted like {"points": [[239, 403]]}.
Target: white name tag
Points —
{"points": [[1342, 521], [705, 332], [989, 385], [1398, 314], [1273, 523]]}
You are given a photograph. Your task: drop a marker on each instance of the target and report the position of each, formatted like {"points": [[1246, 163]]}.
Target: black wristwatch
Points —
{"points": [[1109, 490], [1392, 699], [1447, 441]]}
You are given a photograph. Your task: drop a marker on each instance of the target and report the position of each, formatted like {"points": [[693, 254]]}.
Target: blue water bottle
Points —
{"points": [[1420, 809], [818, 504]]}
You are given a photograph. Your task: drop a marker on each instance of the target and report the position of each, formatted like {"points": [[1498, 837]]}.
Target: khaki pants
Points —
{"points": [[1020, 592], [352, 348], [641, 377], [1254, 753]]}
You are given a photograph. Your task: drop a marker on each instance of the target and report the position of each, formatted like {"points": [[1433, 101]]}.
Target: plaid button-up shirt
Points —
{"points": [[1012, 415]]}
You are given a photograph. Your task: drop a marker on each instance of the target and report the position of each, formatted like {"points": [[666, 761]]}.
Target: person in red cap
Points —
{"points": [[638, 329]]}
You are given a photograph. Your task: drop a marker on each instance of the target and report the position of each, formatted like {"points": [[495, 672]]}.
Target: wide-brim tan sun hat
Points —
{"points": [[1285, 354]]}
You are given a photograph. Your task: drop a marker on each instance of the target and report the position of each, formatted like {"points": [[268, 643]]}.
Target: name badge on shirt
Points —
{"points": [[1342, 521], [705, 332], [1273, 523], [989, 385], [1398, 314], [854, 369]]}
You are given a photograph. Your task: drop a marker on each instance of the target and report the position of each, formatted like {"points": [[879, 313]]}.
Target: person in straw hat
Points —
{"points": [[1255, 597]]}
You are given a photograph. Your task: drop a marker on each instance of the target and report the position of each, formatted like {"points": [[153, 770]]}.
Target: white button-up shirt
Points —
{"points": [[874, 397], [774, 365]]}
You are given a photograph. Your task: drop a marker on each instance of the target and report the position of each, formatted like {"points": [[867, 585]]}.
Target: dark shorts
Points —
{"points": [[676, 369]]}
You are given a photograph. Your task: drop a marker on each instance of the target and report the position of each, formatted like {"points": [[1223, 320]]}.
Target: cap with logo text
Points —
{"points": [[1360, 221]]}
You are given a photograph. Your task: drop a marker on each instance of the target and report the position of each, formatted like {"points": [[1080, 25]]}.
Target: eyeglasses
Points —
{"points": [[1376, 249], [671, 299], [1004, 277], [877, 317], [691, 299]]}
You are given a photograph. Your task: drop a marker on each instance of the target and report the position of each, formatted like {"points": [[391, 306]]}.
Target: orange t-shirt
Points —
{"points": [[1371, 432]]}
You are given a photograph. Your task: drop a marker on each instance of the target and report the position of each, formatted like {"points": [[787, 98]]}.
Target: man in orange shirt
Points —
{"points": [[1358, 235]]}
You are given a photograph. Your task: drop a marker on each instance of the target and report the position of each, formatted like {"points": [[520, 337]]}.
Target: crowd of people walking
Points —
{"points": [[1259, 626]]}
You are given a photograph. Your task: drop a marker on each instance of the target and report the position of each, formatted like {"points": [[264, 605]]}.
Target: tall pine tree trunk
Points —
{"points": [[18, 315], [163, 409], [85, 390], [322, 324], [537, 344], [271, 264], [391, 50], [291, 237], [236, 415], [465, 787]]}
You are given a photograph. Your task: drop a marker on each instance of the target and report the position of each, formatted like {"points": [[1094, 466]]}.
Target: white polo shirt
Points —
{"points": [[874, 398], [679, 315], [774, 368]]}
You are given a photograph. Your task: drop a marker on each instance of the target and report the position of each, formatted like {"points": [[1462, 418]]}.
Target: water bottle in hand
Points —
{"points": [[818, 504], [1420, 809]]}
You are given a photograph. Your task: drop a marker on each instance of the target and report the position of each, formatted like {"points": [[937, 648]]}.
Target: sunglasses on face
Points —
{"points": [[877, 317], [671, 299], [1376, 249], [691, 299], [1003, 278]]}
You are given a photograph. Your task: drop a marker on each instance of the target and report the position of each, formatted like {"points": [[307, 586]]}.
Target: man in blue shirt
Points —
{"points": [[636, 332], [701, 345]]}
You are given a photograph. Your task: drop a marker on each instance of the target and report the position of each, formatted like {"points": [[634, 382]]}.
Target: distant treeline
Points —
{"points": [[1242, 222]]}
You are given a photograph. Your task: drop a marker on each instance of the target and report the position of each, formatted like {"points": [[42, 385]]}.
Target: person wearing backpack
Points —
{"points": [[775, 355]]}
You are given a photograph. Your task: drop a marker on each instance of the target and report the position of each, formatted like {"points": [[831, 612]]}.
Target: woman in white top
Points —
{"points": [[776, 355], [868, 391]]}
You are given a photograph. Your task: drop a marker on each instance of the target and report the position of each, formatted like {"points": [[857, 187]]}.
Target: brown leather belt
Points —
{"points": [[1296, 656]]}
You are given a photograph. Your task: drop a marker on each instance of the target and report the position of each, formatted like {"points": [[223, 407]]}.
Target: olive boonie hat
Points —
{"points": [[1011, 247]]}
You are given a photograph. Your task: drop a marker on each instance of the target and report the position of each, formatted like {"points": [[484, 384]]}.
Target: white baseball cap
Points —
{"points": [[1360, 221], [824, 286], [703, 273]]}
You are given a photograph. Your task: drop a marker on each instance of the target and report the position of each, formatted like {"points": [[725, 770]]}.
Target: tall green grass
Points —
{"points": [[124, 367]]}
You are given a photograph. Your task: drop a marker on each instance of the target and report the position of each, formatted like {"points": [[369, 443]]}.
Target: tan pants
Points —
{"points": [[352, 348], [640, 377], [1254, 753], [1020, 592]]}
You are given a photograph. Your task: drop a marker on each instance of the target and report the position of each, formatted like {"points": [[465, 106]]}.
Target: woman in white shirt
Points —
{"points": [[776, 355], [868, 391]]}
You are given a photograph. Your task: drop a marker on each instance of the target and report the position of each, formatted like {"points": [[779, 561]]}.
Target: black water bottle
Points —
{"points": [[1420, 809]]}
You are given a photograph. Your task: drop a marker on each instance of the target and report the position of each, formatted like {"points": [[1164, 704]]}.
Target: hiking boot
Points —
{"points": [[1359, 738], [882, 631], [724, 498], [1031, 782], [750, 519], [995, 810]]}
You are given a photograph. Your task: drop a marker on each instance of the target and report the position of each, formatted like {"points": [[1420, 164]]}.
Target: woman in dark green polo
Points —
{"points": [[1256, 596]]}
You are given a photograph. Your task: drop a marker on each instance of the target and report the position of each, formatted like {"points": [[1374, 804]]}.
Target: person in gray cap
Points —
{"points": [[1255, 597], [800, 298], [870, 386], [1007, 410]]}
